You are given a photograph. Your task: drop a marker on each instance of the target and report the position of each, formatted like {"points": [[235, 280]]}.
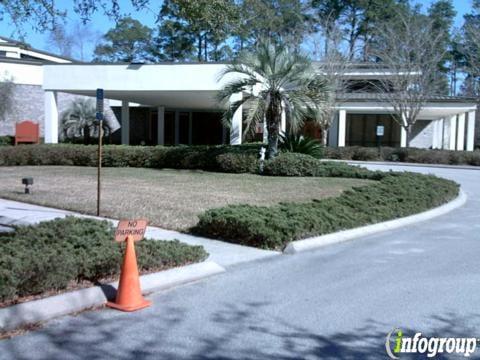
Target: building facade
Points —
{"points": [[23, 66], [174, 103]]}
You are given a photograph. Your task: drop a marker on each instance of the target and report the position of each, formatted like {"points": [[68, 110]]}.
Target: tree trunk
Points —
{"points": [[86, 135], [409, 135], [199, 52], [274, 119], [324, 136], [205, 47]]}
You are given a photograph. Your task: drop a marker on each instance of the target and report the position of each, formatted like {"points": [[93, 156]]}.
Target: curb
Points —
{"points": [[406, 164], [63, 304], [345, 235]]}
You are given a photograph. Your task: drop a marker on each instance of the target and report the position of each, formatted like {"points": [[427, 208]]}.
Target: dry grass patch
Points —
{"points": [[170, 199]]}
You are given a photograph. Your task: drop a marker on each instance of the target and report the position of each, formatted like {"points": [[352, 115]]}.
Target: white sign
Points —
{"points": [[380, 130]]}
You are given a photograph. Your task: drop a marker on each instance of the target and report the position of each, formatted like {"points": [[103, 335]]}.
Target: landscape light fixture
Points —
{"points": [[27, 181]]}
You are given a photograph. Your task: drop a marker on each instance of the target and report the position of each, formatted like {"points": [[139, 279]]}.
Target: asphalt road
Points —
{"points": [[335, 303]]}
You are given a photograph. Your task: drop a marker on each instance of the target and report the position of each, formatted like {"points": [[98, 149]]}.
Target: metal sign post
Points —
{"points": [[380, 133], [99, 117]]}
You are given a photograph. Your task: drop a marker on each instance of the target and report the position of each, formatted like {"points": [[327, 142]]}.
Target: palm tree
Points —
{"points": [[272, 79], [79, 121]]}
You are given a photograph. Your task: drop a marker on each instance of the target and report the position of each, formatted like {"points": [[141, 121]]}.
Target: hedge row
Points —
{"points": [[224, 158], [414, 155], [231, 159], [211, 158], [56, 254], [273, 227], [295, 164]]}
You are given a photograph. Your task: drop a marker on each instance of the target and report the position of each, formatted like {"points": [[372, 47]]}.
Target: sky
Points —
{"points": [[100, 24]]}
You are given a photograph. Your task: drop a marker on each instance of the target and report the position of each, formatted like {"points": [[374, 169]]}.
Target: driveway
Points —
{"points": [[338, 302]]}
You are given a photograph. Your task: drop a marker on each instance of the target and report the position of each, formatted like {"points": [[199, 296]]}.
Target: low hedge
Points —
{"points": [[272, 227], [296, 164], [414, 155], [240, 158], [222, 158], [57, 254]]}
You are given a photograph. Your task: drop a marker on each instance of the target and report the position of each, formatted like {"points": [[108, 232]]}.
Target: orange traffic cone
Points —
{"points": [[129, 295]]}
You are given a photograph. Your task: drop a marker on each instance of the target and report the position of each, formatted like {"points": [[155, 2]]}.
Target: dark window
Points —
{"points": [[184, 125], [207, 128], [169, 127]]}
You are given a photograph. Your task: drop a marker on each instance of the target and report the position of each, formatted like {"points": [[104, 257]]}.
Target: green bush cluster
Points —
{"points": [[7, 140], [295, 164], [210, 158], [301, 144], [55, 254], [272, 227], [222, 158], [414, 155]]}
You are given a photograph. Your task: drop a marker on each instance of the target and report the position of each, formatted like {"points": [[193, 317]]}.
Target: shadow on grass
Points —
{"points": [[234, 331]]}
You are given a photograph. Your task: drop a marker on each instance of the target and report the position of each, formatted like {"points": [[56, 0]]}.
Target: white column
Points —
{"points": [[444, 134], [236, 125], [471, 130], [125, 123], [434, 134], [161, 125], [403, 137], [453, 133], [439, 134], [51, 117], [461, 132], [342, 125]]}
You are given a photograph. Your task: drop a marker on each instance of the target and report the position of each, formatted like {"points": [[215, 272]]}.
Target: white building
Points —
{"points": [[172, 103], [24, 67], [180, 107]]}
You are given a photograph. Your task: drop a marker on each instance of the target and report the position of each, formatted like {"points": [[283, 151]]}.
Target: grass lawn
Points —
{"points": [[171, 199]]}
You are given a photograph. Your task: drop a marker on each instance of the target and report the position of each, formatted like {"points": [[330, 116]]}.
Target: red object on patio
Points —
{"points": [[27, 132]]}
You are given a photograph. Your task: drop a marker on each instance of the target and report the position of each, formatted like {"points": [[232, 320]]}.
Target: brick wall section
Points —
{"points": [[28, 104]]}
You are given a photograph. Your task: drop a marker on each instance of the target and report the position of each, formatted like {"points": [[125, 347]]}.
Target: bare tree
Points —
{"points": [[408, 53], [60, 41], [6, 94], [85, 35], [334, 64], [471, 50]]}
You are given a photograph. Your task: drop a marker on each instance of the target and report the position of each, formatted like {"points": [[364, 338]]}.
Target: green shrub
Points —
{"points": [[293, 164], [7, 140], [238, 163], [302, 145], [272, 227], [413, 155], [178, 157], [339, 153], [223, 158], [55, 254], [365, 153]]}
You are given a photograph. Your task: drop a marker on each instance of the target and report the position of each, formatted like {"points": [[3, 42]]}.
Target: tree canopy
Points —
{"points": [[220, 30], [128, 41]]}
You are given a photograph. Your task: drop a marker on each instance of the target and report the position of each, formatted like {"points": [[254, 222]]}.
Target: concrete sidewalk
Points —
{"points": [[222, 253]]}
